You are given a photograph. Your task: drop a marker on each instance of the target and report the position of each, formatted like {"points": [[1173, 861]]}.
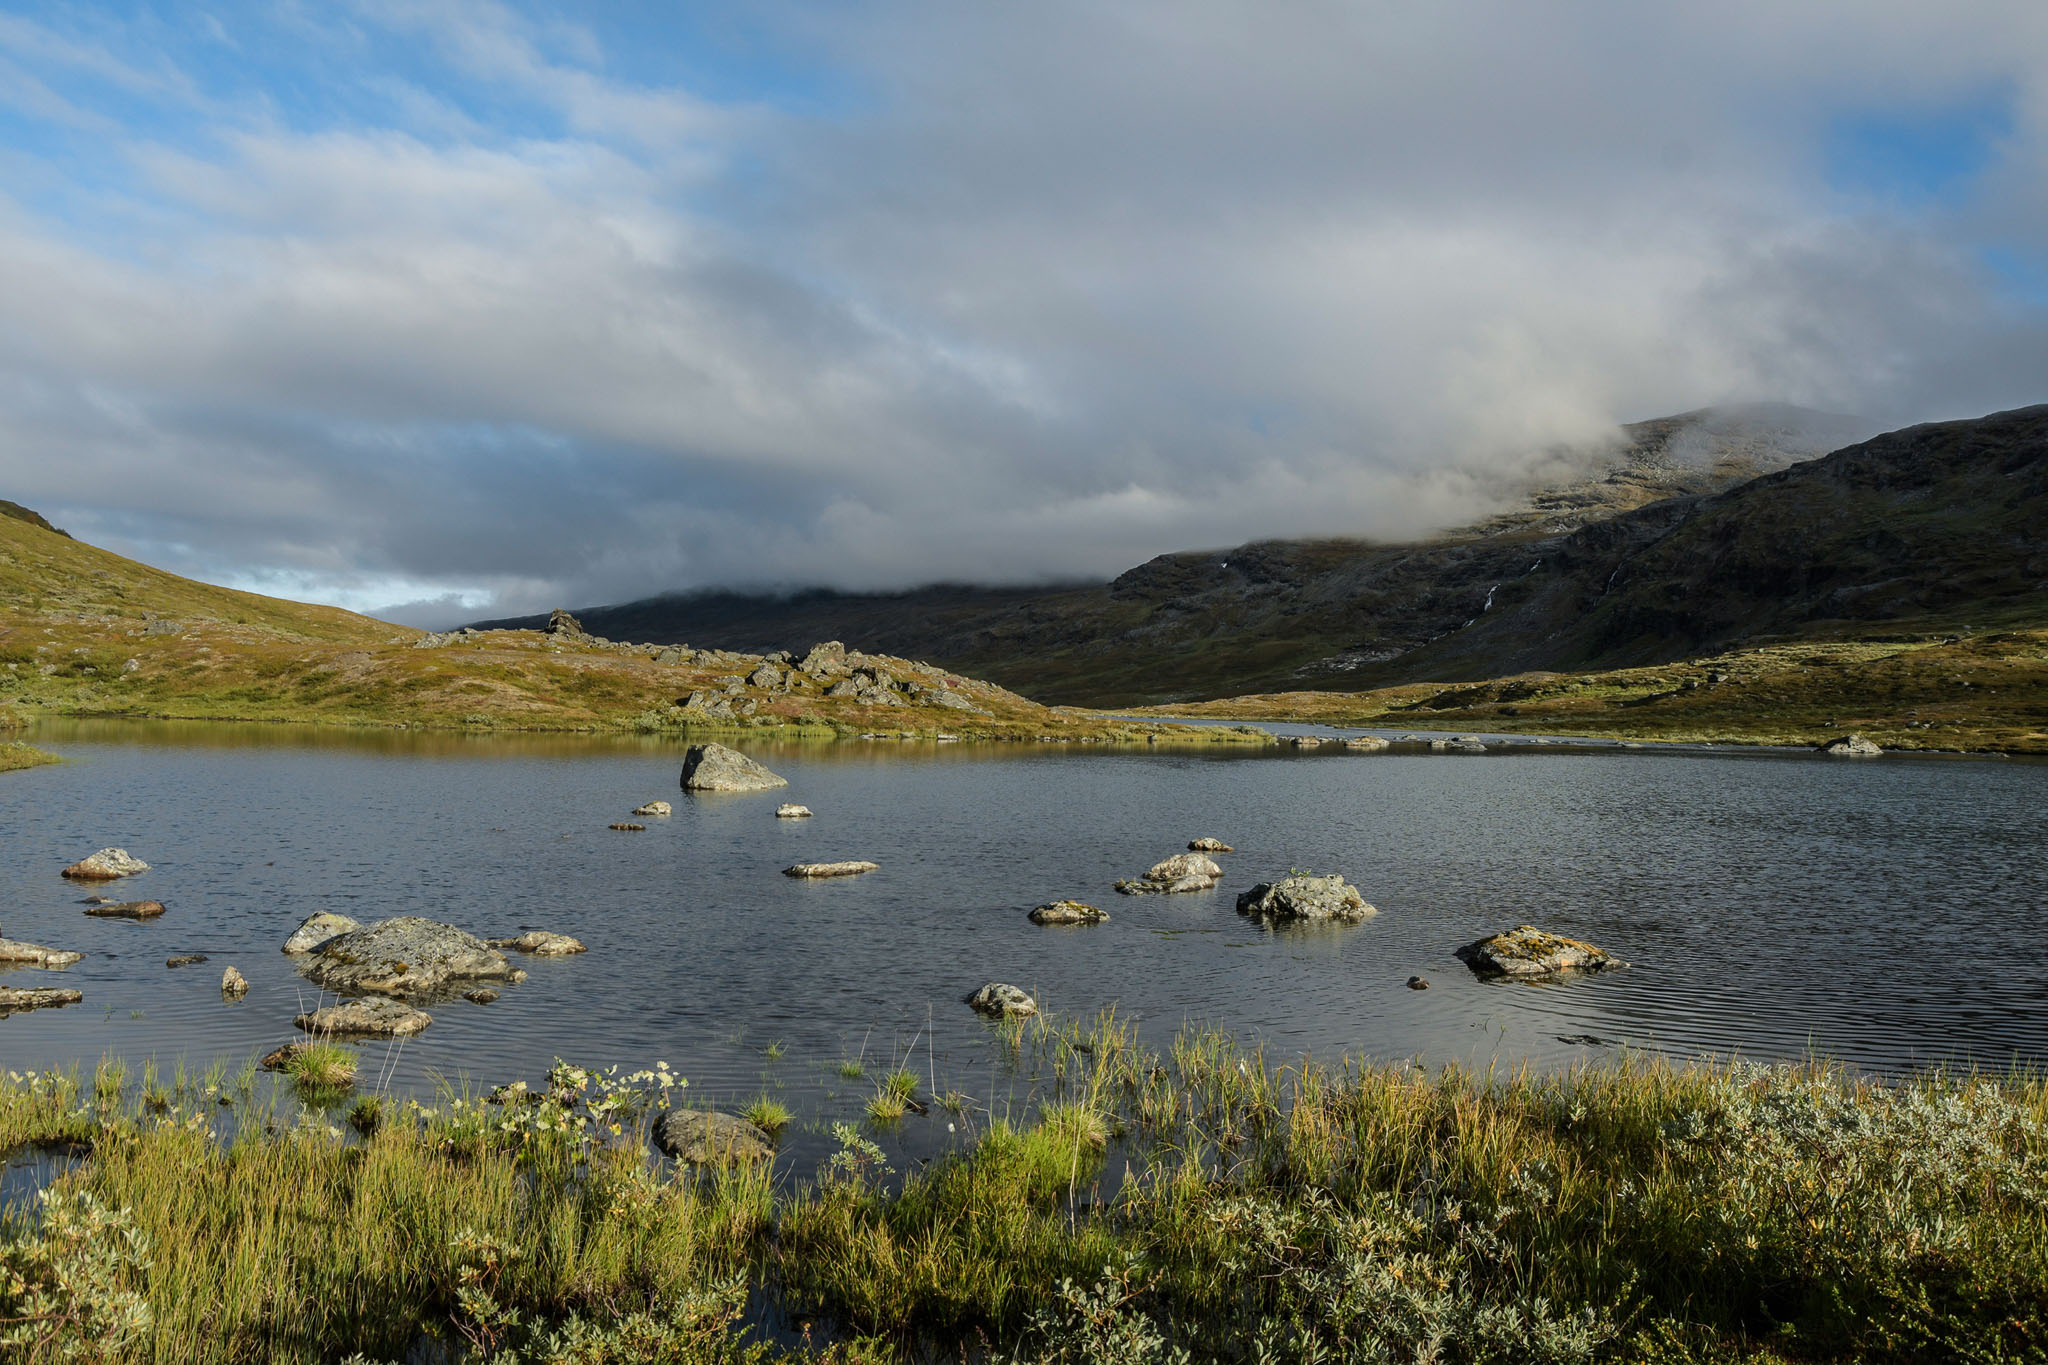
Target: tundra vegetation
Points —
{"points": [[1195, 1204]]}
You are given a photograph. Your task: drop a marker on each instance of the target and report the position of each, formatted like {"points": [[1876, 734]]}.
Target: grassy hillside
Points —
{"points": [[86, 632]]}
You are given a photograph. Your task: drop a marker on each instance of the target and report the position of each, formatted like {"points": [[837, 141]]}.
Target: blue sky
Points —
{"points": [[446, 308]]}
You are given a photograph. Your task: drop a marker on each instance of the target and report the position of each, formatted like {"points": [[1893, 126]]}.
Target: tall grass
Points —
{"points": [[1199, 1204]]}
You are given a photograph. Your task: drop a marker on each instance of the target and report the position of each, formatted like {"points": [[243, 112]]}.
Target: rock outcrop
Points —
{"points": [[696, 1137], [1852, 746], [317, 929], [1305, 897], [1181, 873], [106, 865], [1068, 912], [12, 999], [35, 955], [715, 768], [407, 956], [375, 1018], [541, 943], [1526, 951], [126, 909], [999, 1000], [849, 868]]}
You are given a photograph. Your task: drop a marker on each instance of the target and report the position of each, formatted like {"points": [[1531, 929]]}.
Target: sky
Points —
{"points": [[448, 309]]}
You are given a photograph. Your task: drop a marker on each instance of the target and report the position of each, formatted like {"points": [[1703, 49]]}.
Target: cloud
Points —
{"points": [[482, 325]]}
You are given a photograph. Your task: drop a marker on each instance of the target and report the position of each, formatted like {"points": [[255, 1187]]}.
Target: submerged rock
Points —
{"points": [[699, 1138], [185, 960], [106, 865], [374, 1017], [482, 995], [715, 768], [12, 999], [35, 955], [655, 808], [317, 929], [1068, 912], [280, 1058], [233, 983], [789, 810], [849, 868], [1305, 897], [1852, 746], [405, 956], [1209, 846], [999, 1000], [126, 909], [629, 827], [1526, 951], [541, 943]]}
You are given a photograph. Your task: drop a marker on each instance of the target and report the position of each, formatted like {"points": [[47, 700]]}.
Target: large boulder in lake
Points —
{"points": [[106, 865], [1172, 876], [999, 1000], [715, 768], [316, 930], [1068, 912], [1525, 952], [1305, 897], [699, 1138], [407, 956]]}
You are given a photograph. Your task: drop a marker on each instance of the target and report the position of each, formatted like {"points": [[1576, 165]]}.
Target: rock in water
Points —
{"points": [[405, 956], [541, 943], [377, 1018], [1526, 951], [697, 1138], [1367, 744], [1852, 746], [233, 984], [1068, 912], [317, 929], [482, 995], [999, 1000], [629, 827], [789, 810], [1418, 983], [1303, 897], [1209, 846], [35, 955], [655, 808], [1182, 872], [715, 768], [850, 868], [1456, 746], [106, 865], [126, 909], [1305, 742], [185, 960], [39, 999], [280, 1058]]}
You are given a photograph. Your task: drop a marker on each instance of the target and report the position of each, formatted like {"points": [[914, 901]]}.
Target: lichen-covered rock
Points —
{"points": [[655, 808], [373, 1017], [1068, 912], [1367, 744], [317, 929], [1456, 746], [1852, 746], [405, 956], [541, 943], [767, 677], [1526, 951], [12, 999], [696, 1137], [1144, 886], [233, 983], [715, 768], [849, 868], [1305, 897], [1181, 873], [126, 909], [789, 810], [998, 1000], [106, 865], [1209, 846], [35, 955], [825, 660]]}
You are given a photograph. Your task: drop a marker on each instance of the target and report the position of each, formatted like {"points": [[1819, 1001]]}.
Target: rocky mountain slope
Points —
{"points": [[1263, 616]]}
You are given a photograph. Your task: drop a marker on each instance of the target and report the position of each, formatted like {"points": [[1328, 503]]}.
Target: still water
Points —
{"points": [[1888, 913]]}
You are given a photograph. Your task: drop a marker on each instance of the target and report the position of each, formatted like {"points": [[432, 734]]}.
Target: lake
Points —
{"points": [[1884, 912]]}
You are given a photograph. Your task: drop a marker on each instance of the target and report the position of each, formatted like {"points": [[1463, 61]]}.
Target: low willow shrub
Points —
{"points": [[1195, 1206]]}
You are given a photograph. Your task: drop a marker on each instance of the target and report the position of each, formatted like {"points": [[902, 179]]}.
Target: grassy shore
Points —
{"points": [[14, 757], [1200, 1205], [1982, 693]]}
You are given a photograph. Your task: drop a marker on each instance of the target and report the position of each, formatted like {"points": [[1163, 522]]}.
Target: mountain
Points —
{"points": [[1263, 616]]}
